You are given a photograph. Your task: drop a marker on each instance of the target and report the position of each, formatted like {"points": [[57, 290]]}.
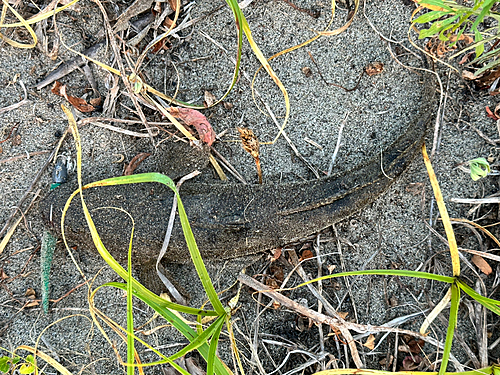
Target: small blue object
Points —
{"points": [[60, 173]]}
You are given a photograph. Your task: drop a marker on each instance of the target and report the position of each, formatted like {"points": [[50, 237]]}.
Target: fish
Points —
{"points": [[232, 220]]}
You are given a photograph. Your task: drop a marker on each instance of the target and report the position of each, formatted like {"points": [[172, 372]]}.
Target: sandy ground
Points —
{"points": [[390, 233]]}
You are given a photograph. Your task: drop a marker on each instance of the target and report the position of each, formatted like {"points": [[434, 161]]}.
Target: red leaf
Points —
{"points": [[198, 120]]}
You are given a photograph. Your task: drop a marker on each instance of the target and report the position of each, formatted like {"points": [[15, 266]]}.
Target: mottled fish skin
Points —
{"points": [[232, 220]]}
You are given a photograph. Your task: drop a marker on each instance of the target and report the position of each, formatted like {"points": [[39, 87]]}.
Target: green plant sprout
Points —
{"points": [[479, 168], [11, 364], [450, 20]]}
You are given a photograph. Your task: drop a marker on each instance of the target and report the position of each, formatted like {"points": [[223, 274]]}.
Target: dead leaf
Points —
{"points": [[490, 114], [307, 71], [411, 363], [306, 254], [210, 99], [482, 264], [331, 268], [370, 342], [134, 163], [463, 37], [468, 75], [79, 103], [387, 361], [227, 105], [168, 23], [343, 315], [32, 304], [96, 102], [277, 272], [173, 4], [374, 68], [16, 140], [272, 283], [276, 254], [30, 293], [3, 275], [416, 345], [251, 145], [198, 120]]}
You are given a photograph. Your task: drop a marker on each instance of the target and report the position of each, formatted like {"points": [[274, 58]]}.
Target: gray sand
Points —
{"points": [[392, 230]]}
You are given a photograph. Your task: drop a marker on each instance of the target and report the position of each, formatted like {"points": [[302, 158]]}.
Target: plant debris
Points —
{"points": [[198, 120], [250, 144], [135, 162], [79, 103]]}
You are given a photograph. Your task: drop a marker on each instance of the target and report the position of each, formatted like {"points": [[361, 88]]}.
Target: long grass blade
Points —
{"points": [[452, 323], [455, 260], [418, 274]]}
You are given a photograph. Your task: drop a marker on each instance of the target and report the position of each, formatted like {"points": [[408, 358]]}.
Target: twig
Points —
{"points": [[337, 147], [18, 104], [23, 156], [228, 166], [489, 200], [120, 130], [334, 322], [334, 84], [438, 130], [330, 309]]}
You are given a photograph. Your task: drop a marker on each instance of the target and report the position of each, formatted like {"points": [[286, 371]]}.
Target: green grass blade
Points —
{"points": [[186, 228], [243, 24], [212, 355], [181, 326], [490, 304], [418, 274], [146, 177], [452, 323], [130, 314]]}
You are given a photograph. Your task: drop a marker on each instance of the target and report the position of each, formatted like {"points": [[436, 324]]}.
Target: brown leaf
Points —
{"points": [[227, 105], [343, 315], [173, 4], [374, 68], [250, 144], [482, 264], [3, 275], [306, 254], [468, 75], [276, 254], [30, 293], [198, 120], [168, 23], [134, 163], [370, 342], [416, 345], [79, 103], [210, 99], [32, 304]]}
